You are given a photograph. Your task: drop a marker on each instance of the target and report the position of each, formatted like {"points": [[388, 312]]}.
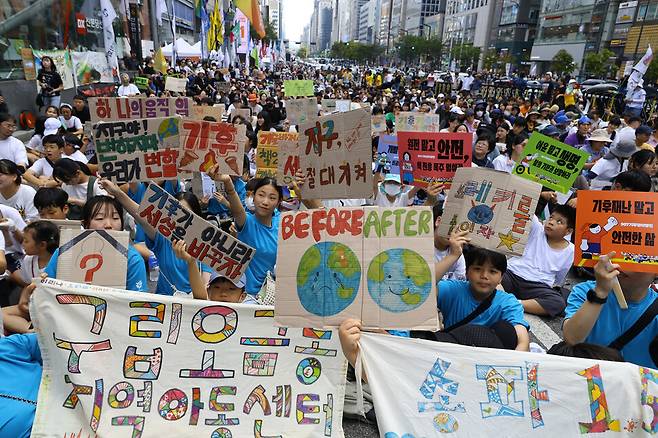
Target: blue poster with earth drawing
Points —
{"points": [[370, 263]]}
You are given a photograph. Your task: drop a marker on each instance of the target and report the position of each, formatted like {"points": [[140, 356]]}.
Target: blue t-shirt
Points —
{"points": [[456, 302], [613, 321], [172, 269], [264, 240], [20, 366], [217, 209], [135, 275]]}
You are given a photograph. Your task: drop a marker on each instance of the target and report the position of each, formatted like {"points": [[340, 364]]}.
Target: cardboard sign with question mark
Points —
{"points": [[97, 257]]}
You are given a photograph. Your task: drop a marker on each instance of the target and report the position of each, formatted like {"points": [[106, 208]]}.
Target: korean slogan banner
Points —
{"points": [[208, 143], [426, 157], [288, 159], [550, 163], [120, 364], [139, 149], [119, 108], [387, 151], [494, 207], [624, 222], [267, 153], [469, 392], [373, 264], [301, 88], [205, 242], [417, 122], [335, 155]]}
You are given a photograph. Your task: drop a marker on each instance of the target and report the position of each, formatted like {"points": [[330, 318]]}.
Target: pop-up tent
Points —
{"points": [[183, 49]]}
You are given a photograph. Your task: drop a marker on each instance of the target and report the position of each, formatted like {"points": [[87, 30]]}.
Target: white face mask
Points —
{"points": [[249, 202], [392, 189], [479, 113], [507, 113]]}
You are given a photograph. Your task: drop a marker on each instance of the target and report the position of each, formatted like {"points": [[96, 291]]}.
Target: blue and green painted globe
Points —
{"points": [[328, 278], [399, 280]]}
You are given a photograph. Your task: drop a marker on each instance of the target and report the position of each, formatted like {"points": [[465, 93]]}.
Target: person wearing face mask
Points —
{"points": [[390, 193]]}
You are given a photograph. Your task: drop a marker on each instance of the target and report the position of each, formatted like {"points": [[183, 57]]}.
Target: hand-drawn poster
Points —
{"points": [[97, 257], [208, 143], [378, 124], [417, 122], [205, 242], [343, 105], [624, 222], [66, 223], [550, 162], [62, 61], [267, 153], [123, 364], [175, 84], [302, 111], [335, 154], [466, 392], [139, 149], [288, 159], [387, 155], [369, 263], [198, 112], [119, 108], [494, 207], [428, 157], [90, 67], [298, 88]]}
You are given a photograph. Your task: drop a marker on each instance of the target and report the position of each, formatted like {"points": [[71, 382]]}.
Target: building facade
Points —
{"points": [[515, 28], [468, 22]]}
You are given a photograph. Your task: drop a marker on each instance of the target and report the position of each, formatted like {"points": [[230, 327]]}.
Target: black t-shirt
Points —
{"points": [[83, 115], [52, 80]]}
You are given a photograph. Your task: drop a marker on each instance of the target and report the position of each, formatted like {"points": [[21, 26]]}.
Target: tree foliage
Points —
{"points": [[412, 48], [598, 64], [466, 55], [651, 76], [302, 52], [355, 51], [490, 59], [562, 63], [270, 33]]}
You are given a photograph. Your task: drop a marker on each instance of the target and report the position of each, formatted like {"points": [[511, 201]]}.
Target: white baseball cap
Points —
{"points": [[51, 126]]}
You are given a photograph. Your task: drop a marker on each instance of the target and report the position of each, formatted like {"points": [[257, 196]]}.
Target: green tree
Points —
{"points": [[302, 52], [355, 51], [598, 64], [490, 59], [412, 48], [651, 76], [466, 54], [562, 63]]}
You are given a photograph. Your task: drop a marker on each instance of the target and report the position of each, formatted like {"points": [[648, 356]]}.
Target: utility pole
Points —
{"points": [[388, 34]]}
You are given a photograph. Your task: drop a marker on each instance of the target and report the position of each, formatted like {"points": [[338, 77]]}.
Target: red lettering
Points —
{"points": [[333, 224], [318, 222], [301, 226], [286, 226], [357, 222]]}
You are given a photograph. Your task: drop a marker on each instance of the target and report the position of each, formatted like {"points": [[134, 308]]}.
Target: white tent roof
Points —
{"points": [[183, 49]]}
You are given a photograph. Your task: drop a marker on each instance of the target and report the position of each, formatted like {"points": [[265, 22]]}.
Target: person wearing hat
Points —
{"points": [[605, 170], [642, 135], [550, 131], [471, 122], [72, 145], [70, 122], [635, 101], [596, 148], [579, 138], [562, 123], [571, 94], [544, 116], [390, 192], [254, 106]]}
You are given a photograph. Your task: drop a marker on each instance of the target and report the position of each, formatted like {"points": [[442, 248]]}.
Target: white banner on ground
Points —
{"points": [[424, 388], [121, 364]]}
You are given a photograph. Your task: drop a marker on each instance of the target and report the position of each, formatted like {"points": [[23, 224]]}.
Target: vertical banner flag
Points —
{"points": [[119, 364], [494, 207], [206, 144], [369, 263], [108, 15], [427, 157], [336, 156]]}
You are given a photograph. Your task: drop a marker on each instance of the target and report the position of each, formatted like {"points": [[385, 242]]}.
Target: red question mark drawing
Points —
{"points": [[89, 275]]}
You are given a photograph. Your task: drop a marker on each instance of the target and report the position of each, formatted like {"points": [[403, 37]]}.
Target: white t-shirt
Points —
{"points": [[458, 269], [540, 262], [73, 122], [23, 201], [77, 156], [503, 163], [29, 268], [41, 167], [13, 149], [79, 191], [35, 143], [401, 200], [12, 246], [127, 90], [606, 171]]}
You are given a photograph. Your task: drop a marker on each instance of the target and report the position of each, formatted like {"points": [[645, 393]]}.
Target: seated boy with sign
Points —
{"points": [[536, 277]]}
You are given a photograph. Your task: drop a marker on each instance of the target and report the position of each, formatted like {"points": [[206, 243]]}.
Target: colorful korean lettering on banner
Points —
{"points": [[119, 108], [550, 162], [298, 88], [494, 207], [301, 111], [288, 159], [428, 157], [466, 392], [206, 144], [267, 153], [370, 263], [417, 122], [138, 149], [387, 155], [119, 364], [624, 222], [335, 155], [205, 242]]}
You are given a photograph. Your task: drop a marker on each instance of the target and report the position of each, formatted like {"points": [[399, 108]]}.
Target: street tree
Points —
{"points": [[466, 54], [302, 52], [598, 64], [562, 62]]}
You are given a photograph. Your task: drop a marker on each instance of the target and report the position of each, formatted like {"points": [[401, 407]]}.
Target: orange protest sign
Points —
{"points": [[624, 222]]}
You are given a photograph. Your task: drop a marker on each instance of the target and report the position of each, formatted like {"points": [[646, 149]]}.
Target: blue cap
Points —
{"points": [[561, 119], [392, 177], [240, 283], [644, 129], [550, 131], [584, 120]]}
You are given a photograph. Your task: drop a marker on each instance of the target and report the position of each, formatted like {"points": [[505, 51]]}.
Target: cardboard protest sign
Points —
{"points": [[97, 257], [175, 84], [120, 108], [336, 156], [208, 143], [118, 364], [66, 223], [223, 87], [417, 122], [205, 242], [328, 106], [298, 88], [624, 222], [460, 391], [343, 105], [245, 113], [370, 263], [267, 153], [426, 157], [378, 124], [141, 82], [198, 112], [301, 111], [387, 151], [288, 159], [138, 150], [494, 207], [550, 162]]}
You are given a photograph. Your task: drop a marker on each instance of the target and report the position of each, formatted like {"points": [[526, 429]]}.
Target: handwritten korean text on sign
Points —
{"points": [[119, 108], [206, 144]]}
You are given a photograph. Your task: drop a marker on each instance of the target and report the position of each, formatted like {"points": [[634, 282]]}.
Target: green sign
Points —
{"points": [[298, 88], [550, 162], [141, 83]]}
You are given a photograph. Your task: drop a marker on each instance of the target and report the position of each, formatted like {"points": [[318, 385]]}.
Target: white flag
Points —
{"points": [[109, 14], [643, 65], [160, 8]]}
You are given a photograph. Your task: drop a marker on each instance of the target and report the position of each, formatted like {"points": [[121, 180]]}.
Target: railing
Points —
{"points": [[614, 103]]}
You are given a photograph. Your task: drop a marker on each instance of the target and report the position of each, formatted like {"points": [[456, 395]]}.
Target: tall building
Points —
{"points": [[468, 22], [636, 27], [355, 18], [369, 22], [515, 28], [274, 16], [320, 26]]}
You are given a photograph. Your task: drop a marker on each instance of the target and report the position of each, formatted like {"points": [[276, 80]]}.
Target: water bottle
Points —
{"points": [[154, 268]]}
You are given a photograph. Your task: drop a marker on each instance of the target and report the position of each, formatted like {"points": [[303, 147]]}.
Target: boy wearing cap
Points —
{"points": [[579, 138]]}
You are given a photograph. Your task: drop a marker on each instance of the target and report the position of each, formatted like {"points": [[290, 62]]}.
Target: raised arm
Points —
{"points": [[237, 210], [457, 242], [199, 291], [129, 205], [297, 184]]}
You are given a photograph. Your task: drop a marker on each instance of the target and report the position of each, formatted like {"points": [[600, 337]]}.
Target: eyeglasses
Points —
{"points": [[4, 125]]}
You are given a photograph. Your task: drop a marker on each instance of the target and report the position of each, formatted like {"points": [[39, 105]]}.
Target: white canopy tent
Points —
{"points": [[183, 49]]}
